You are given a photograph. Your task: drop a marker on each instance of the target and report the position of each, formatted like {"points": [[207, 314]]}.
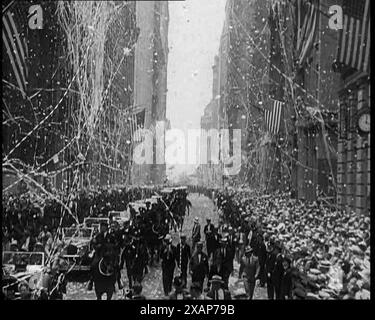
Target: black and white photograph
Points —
{"points": [[186, 150]]}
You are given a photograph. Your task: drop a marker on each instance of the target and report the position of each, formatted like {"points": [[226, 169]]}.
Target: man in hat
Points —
{"points": [[199, 265], [249, 268], [168, 255], [140, 260], [270, 265], [182, 258], [261, 253], [196, 233], [99, 243], [286, 281], [127, 258], [218, 290], [210, 234], [222, 261]]}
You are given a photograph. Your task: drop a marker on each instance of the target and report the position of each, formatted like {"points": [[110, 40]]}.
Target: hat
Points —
{"points": [[196, 219], [249, 250], [183, 236], [200, 243], [224, 239], [216, 278]]}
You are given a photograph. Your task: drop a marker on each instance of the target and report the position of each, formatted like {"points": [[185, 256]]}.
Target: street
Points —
{"points": [[202, 207]]}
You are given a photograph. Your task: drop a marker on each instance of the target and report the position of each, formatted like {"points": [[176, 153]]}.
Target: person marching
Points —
{"points": [[116, 238], [196, 233], [223, 261], [168, 264], [127, 258], [182, 258], [210, 234], [270, 265], [98, 243], [199, 265], [249, 269], [140, 259], [261, 252]]}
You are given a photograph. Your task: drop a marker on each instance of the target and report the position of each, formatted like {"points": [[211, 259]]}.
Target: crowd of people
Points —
{"points": [[305, 250], [293, 249], [30, 221]]}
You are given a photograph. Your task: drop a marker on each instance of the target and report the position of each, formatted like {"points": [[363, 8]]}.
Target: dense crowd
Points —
{"points": [[325, 251], [296, 250]]}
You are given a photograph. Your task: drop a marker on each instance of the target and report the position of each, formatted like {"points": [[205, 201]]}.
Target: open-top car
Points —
{"points": [[119, 216], [21, 268], [76, 254], [94, 222]]}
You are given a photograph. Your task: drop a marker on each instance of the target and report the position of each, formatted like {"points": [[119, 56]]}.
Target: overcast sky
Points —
{"points": [[194, 36]]}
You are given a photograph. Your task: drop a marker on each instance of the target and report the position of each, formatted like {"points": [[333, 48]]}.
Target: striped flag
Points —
{"points": [[137, 122], [354, 45], [273, 117], [307, 28], [14, 41]]}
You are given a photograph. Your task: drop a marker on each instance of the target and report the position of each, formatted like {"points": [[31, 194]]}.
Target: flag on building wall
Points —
{"points": [[137, 122], [273, 116], [14, 41], [307, 28], [354, 43]]}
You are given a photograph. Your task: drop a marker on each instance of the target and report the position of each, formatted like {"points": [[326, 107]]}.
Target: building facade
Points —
{"points": [[150, 80], [354, 155], [257, 55], [210, 172]]}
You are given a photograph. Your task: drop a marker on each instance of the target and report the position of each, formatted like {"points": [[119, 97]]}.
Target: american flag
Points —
{"points": [[14, 41], [307, 27], [354, 45], [273, 117], [137, 120]]}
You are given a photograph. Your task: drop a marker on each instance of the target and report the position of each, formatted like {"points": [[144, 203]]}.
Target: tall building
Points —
{"points": [[258, 64], [314, 171], [33, 66], [241, 75], [150, 74], [47, 123], [354, 90], [210, 171]]}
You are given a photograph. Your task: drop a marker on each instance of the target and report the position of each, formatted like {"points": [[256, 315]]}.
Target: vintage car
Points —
{"points": [[76, 255], [22, 269], [94, 222], [120, 216]]}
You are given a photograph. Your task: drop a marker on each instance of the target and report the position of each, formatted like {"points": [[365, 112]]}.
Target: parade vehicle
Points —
{"points": [[21, 273], [94, 222], [77, 255], [119, 216]]}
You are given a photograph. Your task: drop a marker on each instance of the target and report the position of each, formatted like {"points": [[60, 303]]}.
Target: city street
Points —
{"points": [[124, 121], [202, 207]]}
